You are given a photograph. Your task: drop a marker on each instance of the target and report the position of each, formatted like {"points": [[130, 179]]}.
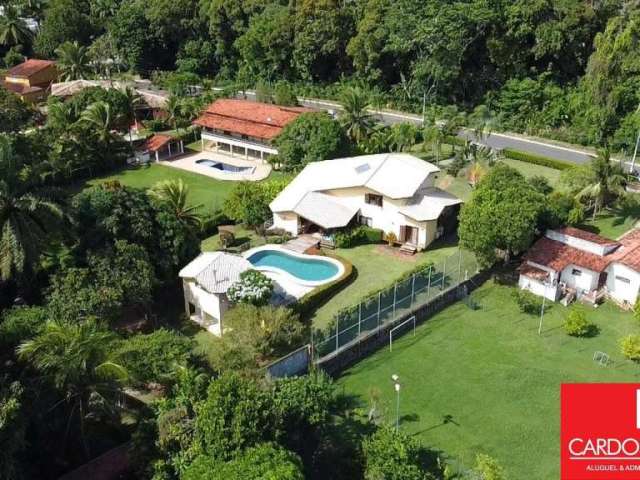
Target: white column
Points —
{"points": [[169, 146], [157, 158], [246, 153], [202, 144], [181, 146]]}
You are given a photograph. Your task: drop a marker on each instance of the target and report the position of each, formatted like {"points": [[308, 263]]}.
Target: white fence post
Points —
{"points": [[429, 281], [379, 304], [359, 319], [444, 272], [413, 288], [337, 330], [459, 264], [395, 288]]}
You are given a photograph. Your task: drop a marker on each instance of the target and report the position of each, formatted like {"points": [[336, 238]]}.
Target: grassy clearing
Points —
{"points": [[614, 222], [375, 270], [208, 192], [484, 381]]}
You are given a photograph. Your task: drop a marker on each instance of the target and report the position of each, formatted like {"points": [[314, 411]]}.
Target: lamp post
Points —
{"points": [[396, 385], [544, 299]]}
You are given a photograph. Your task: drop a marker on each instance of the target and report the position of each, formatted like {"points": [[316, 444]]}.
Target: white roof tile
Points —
{"points": [[215, 271], [428, 205], [395, 175], [324, 211]]}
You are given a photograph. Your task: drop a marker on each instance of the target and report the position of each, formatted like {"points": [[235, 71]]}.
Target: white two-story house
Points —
{"points": [[393, 192]]}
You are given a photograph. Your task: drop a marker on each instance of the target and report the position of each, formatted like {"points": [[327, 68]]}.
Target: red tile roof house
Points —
{"points": [[31, 80], [569, 261], [159, 147], [244, 128]]}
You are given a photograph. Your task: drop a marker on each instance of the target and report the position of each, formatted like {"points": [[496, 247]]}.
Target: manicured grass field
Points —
{"points": [[484, 381], [530, 170], [375, 270], [208, 192]]}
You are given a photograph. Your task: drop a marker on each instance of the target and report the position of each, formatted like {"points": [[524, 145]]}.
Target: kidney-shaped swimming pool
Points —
{"points": [[308, 269]]}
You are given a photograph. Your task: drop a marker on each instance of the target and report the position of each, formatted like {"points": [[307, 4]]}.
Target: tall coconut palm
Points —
{"points": [[354, 117], [608, 182], [99, 117], [175, 193], [403, 136], [132, 99], [73, 61], [26, 218], [74, 357], [13, 29], [434, 134]]}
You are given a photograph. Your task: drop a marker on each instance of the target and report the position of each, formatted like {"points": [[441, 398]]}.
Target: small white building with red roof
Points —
{"points": [[244, 128], [573, 262]]}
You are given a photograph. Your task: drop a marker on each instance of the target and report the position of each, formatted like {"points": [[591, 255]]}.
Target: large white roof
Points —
{"points": [[215, 271], [429, 205], [395, 175]]}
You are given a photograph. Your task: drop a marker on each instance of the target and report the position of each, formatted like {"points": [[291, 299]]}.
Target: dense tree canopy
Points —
{"points": [[502, 198]]}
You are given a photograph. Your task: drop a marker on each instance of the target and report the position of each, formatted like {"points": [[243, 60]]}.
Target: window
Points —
{"points": [[373, 199], [576, 272], [368, 221], [622, 279]]}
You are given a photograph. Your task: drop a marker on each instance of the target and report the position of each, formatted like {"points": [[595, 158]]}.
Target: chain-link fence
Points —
{"points": [[393, 302]]}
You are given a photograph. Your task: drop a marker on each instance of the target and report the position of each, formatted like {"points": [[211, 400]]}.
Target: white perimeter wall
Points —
{"points": [[538, 288], [619, 289], [205, 302]]}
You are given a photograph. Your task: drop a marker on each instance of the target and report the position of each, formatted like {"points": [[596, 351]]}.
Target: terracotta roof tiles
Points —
{"points": [[156, 142], [243, 117], [30, 67], [558, 256]]}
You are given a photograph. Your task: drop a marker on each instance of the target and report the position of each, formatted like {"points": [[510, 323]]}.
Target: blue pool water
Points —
{"points": [[307, 269], [225, 167]]}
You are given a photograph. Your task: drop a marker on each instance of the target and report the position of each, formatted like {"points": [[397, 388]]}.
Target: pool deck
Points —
{"points": [[188, 162]]}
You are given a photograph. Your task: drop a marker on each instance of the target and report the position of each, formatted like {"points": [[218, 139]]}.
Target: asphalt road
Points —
{"points": [[494, 140]]}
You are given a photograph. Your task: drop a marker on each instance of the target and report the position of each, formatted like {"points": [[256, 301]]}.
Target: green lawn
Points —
{"points": [[493, 377], [530, 170], [206, 191], [614, 222], [375, 270], [242, 236]]}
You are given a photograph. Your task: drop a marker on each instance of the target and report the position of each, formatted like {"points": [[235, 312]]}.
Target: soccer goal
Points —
{"points": [[394, 329]]}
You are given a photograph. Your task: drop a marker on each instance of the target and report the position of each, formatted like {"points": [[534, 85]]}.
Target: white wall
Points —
{"points": [[619, 289], [579, 243], [538, 288], [588, 280], [209, 306], [287, 221], [387, 218]]}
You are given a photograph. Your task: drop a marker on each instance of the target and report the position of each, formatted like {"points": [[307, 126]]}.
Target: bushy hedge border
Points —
{"points": [[536, 159], [320, 295], [360, 235]]}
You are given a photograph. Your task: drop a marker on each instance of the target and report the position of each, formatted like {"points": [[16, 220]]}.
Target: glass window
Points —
{"points": [[623, 279], [576, 272], [368, 221], [373, 199]]}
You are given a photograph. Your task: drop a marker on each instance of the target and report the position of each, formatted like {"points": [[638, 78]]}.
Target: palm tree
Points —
{"points": [[98, 116], [174, 110], [132, 100], [73, 61], [435, 135], [13, 29], [403, 136], [175, 193], [26, 218], [475, 173], [354, 117], [607, 184], [74, 357]]}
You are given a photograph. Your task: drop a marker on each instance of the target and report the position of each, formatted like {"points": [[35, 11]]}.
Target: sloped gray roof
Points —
{"points": [[215, 271], [324, 211], [429, 204]]}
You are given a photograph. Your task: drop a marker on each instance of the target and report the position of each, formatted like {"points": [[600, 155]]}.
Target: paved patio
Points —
{"points": [[301, 243], [258, 171]]}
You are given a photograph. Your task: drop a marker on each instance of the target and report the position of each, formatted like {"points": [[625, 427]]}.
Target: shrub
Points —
{"points": [[458, 163], [226, 238], [577, 325], [156, 125], [636, 310], [392, 455], [391, 238], [536, 159], [527, 302], [21, 323], [320, 295], [153, 357], [254, 288], [630, 347], [360, 235], [488, 468]]}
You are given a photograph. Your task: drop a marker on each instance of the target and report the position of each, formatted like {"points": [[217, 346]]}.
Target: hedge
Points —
{"points": [[536, 159], [320, 295], [361, 235]]}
